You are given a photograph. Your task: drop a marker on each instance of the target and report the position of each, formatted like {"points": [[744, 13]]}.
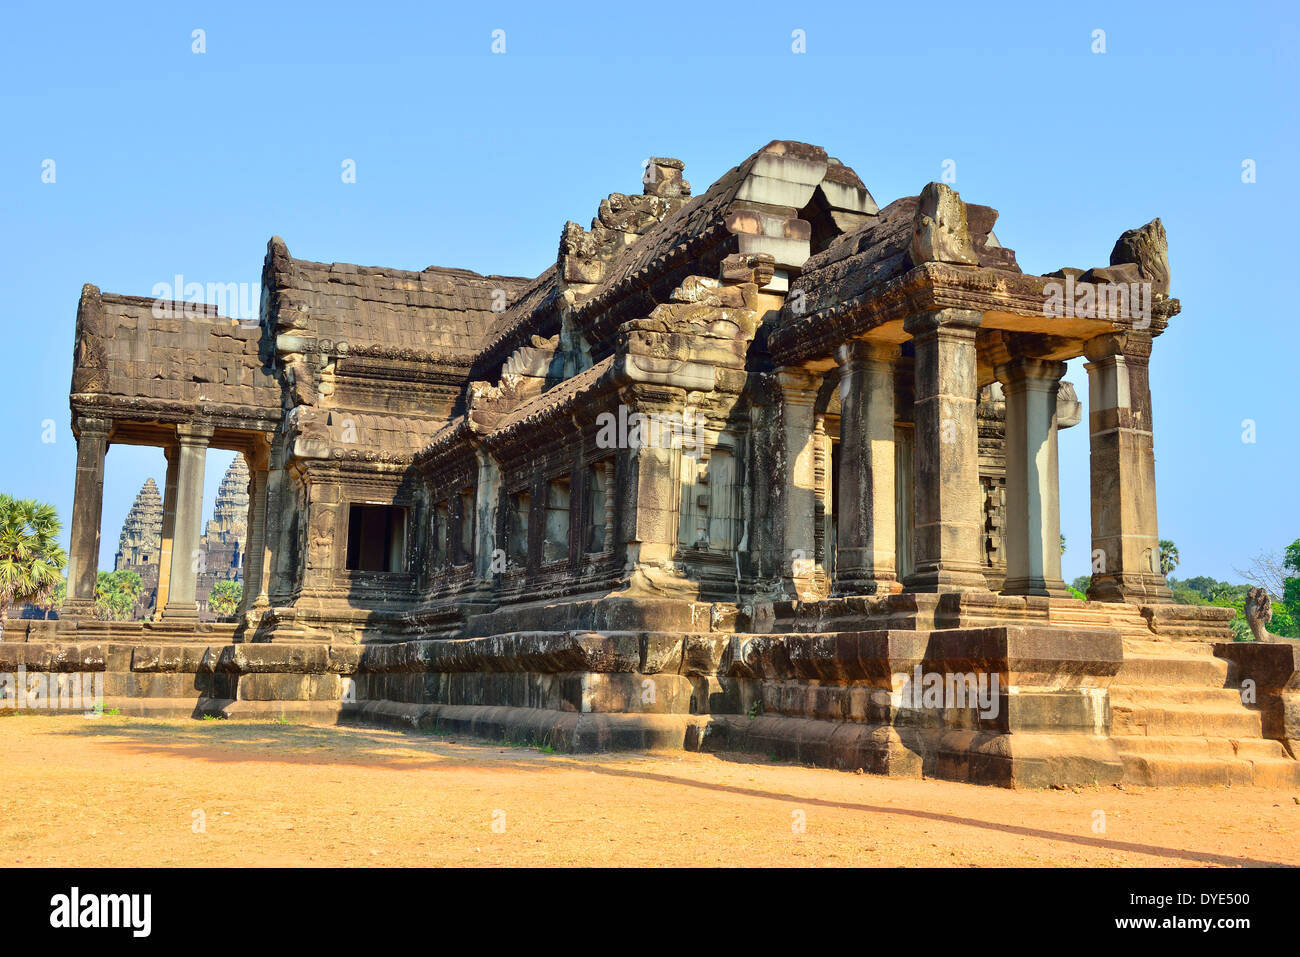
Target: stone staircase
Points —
{"points": [[1124, 618], [1178, 719]]}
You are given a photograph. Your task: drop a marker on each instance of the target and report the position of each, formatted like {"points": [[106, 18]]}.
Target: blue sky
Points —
{"points": [[169, 161]]}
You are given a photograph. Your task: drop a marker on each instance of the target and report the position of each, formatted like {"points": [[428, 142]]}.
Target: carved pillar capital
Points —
{"points": [[797, 386], [1131, 344], [1022, 372], [948, 321], [193, 434], [92, 426], [858, 351]]}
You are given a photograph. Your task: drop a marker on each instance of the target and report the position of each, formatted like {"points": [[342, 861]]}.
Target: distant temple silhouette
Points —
{"points": [[222, 545]]}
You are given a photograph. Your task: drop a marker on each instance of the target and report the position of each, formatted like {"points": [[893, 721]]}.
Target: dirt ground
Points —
{"points": [[119, 791]]}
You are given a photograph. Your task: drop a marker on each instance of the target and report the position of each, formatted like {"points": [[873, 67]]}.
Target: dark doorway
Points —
{"points": [[376, 538]]}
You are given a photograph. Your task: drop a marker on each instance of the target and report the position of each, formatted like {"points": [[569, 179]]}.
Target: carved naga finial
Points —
{"points": [[1259, 612]]}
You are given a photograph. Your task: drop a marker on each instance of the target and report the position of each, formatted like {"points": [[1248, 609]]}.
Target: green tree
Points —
{"points": [[1168, 556], [1286, 614], [225, 597], [1291, 558], [115, 595], [31, 561], [57, 597], [1280, 576]]}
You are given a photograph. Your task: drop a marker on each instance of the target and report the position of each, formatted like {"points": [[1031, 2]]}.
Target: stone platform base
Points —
{"points": [[1018, 705], [565, 731], [1007, 760]]}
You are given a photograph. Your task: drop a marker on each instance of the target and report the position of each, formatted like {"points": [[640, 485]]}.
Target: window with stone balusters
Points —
{"points": [[708, 509]]}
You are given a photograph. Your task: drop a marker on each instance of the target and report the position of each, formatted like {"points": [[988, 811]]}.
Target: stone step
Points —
{"points": [[1158, 670], [1175, 649], [1205, 762], [1154, 771], [1219, 721], [1156, 696], [1124, 618], [1208, 748]]}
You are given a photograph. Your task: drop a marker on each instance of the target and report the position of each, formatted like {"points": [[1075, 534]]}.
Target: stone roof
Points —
{"points": [[535, 312], [755, 207], [554, 400], [439, 311], [877, 251], [140, 356]]}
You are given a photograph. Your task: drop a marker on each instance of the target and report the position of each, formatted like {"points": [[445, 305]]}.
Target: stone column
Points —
{"points": [[487, 495], [87, 513], [866, 560], [1033, 529], [945, 460], [904, 512], [1125, 539], [258, 457], [192, 442], [607, 473], [651, 507], [278, 519], [796, 483], [172, 454]]}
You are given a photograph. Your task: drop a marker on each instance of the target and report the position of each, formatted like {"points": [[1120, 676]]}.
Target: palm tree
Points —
{"points": [[115, 594], [31, 561], [225, 597], [1168, 556]]}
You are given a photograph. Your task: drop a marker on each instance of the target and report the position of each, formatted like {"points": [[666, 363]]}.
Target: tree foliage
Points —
{"points": [[31, 561], [225, 597], [115, 595], [1168, 556], [1279, 575]]}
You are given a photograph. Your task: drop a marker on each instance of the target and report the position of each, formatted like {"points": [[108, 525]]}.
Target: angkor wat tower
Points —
{"points": [[223, 543], [221, 549], [769, 468], [139, 544]]}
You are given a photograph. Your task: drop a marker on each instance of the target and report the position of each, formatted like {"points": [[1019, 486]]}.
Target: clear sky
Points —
{"points": [[169, 161]]}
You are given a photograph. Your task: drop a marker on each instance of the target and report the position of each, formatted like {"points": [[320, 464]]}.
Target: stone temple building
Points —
{"points": [[769, 468], [139, 544], [220, 554], [223, 543]]}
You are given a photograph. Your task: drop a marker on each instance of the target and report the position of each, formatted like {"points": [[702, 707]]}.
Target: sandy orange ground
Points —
{"points": [[121, 791]]}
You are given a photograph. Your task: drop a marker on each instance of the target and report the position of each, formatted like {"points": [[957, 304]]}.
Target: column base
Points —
{"points": [[1054, 588], [865, 585], [81, 608], [801, 589], [1139, 589], [179, 613], [945, 580]]}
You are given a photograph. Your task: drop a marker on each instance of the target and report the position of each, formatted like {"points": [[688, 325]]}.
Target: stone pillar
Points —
{"points": [[904, 511], [607, 473], [487, 495], [87, 513], [945, 460], [258, 458], [192, 442], [866, 560], [651, 508], [1125, 539], [796, 483], [1033, 523], [278, 520], [172, 454]]}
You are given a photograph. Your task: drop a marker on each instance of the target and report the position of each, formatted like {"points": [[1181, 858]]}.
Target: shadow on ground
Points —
{"points": [[414, 751]]}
